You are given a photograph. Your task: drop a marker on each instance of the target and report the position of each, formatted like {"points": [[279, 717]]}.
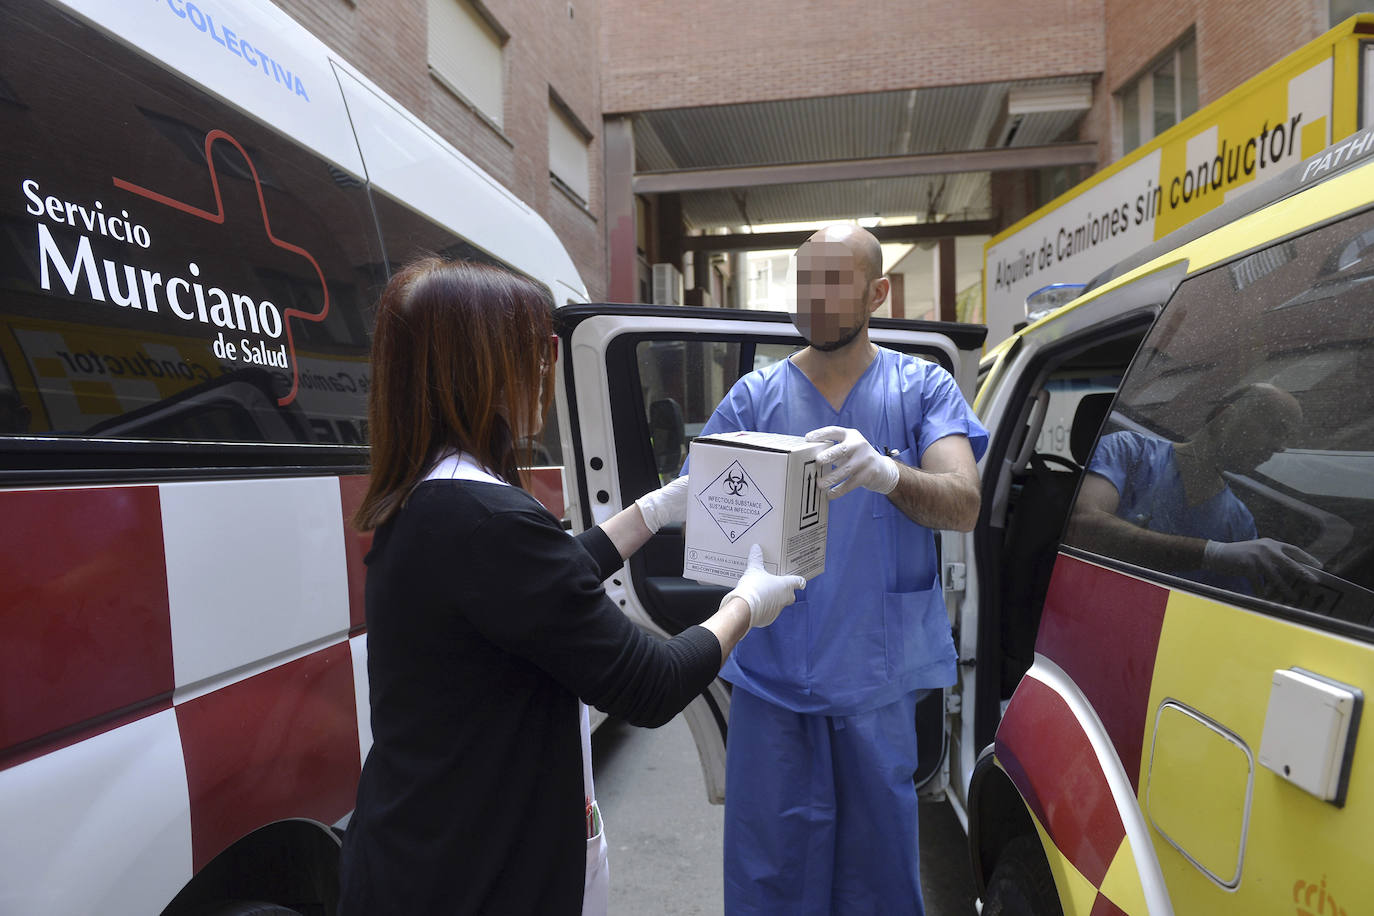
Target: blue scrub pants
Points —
{"points": [[820, 811]]}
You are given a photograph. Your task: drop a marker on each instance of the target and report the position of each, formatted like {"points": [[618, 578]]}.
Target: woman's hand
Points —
{"points": [[665, 505], [631, 527], [764, 593], [754, 602]]}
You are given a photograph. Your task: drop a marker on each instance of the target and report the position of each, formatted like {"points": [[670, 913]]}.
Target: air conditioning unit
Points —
{"points": [[667, 284]]}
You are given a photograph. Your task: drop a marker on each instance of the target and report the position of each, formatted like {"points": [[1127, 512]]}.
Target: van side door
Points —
{"points": [[1214, 600], [640, 382], [1042, 406]]}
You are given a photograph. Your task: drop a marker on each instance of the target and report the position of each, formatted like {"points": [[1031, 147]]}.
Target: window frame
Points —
{"points": [[561, 113], [1143, 84], [633, 437], [440, 74]]}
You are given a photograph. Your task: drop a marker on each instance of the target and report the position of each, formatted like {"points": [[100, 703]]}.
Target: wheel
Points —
{"points": [[1021, 883], [245, 908]]}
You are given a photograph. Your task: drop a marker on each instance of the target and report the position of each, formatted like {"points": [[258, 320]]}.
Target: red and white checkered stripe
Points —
{"points": [[180, 664]]}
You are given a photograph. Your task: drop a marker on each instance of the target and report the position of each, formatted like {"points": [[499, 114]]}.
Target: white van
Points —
{"points": [[200, 203]]}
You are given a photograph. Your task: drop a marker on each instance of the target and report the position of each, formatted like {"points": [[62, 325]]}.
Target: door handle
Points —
{"points": [[1309, 732]]}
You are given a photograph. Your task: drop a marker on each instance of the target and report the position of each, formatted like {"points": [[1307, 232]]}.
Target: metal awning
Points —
{"points": [[764, 162]]}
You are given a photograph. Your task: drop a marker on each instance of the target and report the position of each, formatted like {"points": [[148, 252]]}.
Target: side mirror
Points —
{"points": [[668, 435]]}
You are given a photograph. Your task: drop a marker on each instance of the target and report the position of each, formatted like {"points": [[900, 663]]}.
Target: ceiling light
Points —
{"points": [[1022, 100]]}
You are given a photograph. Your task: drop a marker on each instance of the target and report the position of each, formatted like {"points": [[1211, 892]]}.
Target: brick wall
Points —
{"points": [[552, 44], [1235, 41], [633, 55], [1238, 40], [659, 54]]}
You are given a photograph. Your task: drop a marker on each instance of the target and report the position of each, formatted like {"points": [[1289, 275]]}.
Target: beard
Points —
{"points": [[843, 340]]}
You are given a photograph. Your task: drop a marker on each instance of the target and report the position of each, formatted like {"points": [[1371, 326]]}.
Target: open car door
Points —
{"points": [[640, 382]]}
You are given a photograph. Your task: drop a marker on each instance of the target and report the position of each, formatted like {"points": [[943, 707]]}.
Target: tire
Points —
{"points": [[1021, 882], [245, 908]]}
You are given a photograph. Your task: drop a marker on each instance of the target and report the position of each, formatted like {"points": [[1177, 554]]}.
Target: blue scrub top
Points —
{"points": [[873, 626], [1143, 470]]}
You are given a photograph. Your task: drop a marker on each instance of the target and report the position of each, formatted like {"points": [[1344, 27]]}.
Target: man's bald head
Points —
{"points": [[839, 284], [1249, 424], [868, 254]]}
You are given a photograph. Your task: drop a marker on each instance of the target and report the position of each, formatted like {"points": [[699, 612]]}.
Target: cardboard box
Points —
{"points": [[754, 488]]}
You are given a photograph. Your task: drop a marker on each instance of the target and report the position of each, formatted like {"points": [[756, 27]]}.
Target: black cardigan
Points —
{"points": [[486, 622]]}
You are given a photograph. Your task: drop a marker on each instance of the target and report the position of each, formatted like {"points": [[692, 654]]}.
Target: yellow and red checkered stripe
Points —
{"points": [[1045, 752], [1101, 629]]}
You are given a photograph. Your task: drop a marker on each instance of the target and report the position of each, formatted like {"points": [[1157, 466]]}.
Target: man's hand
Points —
{"points": [[665, 505], [855, 463], [1264, 561]]}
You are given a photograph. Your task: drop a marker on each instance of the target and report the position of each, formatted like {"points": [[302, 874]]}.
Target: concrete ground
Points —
{"points": [[665, 838]]}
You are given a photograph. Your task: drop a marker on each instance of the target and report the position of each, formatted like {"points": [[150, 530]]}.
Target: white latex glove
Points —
{"points": [[1262, 561], [665, 505], [765, 593], [856, 463]]}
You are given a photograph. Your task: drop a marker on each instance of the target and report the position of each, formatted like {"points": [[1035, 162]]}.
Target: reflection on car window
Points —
{"points": [[171, 269], [1240, 452]]}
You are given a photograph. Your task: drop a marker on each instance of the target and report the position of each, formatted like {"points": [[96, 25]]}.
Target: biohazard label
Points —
{"points": [[734, 501]]}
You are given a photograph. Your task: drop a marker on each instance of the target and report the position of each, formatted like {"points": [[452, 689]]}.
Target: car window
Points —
{"points": [[172, 269], [682, 381], [1066, 391], [765, 354], [1247, 420]]}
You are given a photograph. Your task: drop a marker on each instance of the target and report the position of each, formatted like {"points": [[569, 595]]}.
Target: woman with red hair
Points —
{"points": [[487, 622]]}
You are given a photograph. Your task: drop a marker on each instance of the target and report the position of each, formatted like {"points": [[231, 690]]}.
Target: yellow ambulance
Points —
{"points": [[1166, 700]]}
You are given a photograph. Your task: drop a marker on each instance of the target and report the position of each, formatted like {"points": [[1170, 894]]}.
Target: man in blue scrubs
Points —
{"points": [[1167, 505], [820, 808]]}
